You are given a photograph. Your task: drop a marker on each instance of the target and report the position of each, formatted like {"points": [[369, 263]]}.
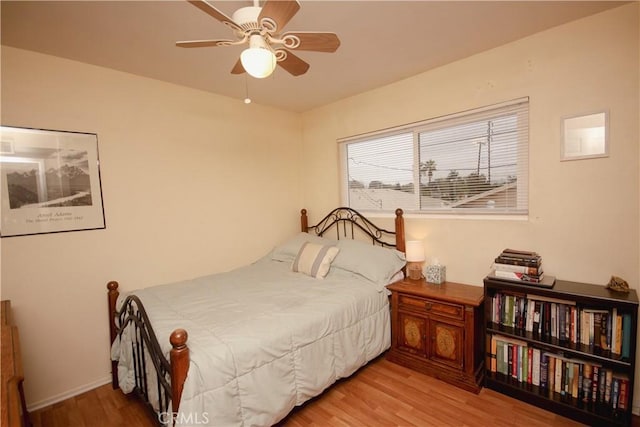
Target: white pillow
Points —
{"points": [[375, 263], [314, 260], [288, 250]]}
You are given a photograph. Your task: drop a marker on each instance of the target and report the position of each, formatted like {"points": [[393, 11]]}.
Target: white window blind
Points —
{"points": [[470, 162]]}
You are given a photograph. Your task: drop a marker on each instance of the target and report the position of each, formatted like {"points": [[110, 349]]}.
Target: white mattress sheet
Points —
{"points": [[263, 339]]}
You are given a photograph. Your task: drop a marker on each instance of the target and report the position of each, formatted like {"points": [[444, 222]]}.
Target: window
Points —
{"points": [[470, 162]]}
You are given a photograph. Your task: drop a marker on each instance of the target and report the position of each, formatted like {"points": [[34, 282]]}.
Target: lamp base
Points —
{"points": [[414, 271]]}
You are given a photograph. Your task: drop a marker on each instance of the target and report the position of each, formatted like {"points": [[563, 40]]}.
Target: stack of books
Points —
{"points": [[520, 266]]}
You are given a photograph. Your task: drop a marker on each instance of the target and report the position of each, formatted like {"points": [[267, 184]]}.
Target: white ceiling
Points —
{"points": [[381, 41]]}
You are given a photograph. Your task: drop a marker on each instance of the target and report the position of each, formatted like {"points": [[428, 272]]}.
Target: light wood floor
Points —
{"points": [[380, 394]]}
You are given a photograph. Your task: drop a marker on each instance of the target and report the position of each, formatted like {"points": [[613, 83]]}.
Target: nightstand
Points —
{"points": [[437, 330]]}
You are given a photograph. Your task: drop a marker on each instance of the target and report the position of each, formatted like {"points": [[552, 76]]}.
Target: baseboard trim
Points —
{"points": [[67, 394]]}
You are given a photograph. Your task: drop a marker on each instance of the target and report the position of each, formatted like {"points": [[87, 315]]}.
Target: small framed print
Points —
{"points": [[50, 182], [585, 136]]}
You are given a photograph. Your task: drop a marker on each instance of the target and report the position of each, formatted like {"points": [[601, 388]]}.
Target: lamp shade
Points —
{"points": [[414, 251], [258, 62]]}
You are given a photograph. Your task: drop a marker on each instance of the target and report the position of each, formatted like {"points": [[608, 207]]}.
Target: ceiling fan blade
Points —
{"points": [[318, 42], [293, 64], [238, 68], [207, 8], [280, 11], [204, 43]]}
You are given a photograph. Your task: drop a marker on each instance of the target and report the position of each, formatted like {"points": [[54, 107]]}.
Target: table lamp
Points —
{"points": [[415, 257]]}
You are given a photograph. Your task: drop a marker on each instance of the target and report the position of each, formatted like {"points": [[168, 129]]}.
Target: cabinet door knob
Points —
{"points": [[427, 305]]}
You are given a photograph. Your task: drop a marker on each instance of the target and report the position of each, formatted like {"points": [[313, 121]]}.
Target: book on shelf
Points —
{"points": [[595, 382], [616, 331], [545, 280], [626, 335], [573, 326], [586, 328], [580, 381], [537, 306], [533, 374], [621, 398], [607, 386], [508, 312], [602, 385], [587, 377], [545, 329], [558, 386], [517, 252], [501, 360], [615, 392], [605, 331], [561, 322], [551, 372], [493, 355], [520, 255], [510, 367], [544, 370], [575, 383], [514, 275], [511, 260], [534, 271], [591, 326]]}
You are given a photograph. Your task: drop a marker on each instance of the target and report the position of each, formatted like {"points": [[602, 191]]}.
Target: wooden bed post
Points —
{"points": [[179, 357], [400, 230], [304, 221], [113, 330]]}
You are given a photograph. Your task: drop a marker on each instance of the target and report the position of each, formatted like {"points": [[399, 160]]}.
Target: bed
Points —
{"points": [[263, 338]]}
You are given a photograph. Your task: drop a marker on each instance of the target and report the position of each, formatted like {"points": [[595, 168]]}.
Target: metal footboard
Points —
{"points": [[165, 377], [144, 348]]}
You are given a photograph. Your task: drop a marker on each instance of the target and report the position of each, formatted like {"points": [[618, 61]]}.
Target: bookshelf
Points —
{"points": [[538, 361]]}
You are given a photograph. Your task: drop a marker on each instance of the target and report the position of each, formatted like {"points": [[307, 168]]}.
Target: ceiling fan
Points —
{"points": [[261, 28]]}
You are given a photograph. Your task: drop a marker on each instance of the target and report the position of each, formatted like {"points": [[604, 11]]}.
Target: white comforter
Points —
{"points": [[263, 339]]}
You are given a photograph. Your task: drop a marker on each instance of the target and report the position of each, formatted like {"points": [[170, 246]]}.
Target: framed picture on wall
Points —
{"points": [[50, 182]]}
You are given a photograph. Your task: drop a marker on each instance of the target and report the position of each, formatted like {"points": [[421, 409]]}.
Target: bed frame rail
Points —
{"points": [[170, 374]]}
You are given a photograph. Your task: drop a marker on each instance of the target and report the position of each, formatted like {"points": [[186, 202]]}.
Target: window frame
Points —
{"points": [[521, 211]]}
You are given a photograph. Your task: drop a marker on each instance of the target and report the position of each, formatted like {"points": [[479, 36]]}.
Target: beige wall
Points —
{"points": [[583, 215], [168, 154], [177, 167]]}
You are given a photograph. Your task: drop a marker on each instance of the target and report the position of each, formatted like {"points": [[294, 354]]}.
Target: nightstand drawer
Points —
{"points": [[410, 302]]}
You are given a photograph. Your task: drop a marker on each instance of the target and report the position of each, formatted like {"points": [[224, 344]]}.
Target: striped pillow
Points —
{"points": [[314, 259]]}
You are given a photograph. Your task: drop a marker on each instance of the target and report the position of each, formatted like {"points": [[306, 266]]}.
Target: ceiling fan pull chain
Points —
{"points": [[247, 100]]}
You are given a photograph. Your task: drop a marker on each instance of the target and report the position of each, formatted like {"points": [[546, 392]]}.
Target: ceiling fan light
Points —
{"points": [[258, 62]]}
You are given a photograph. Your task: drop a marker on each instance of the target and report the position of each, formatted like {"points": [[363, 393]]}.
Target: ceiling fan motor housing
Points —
{"points": [[247, 18]]}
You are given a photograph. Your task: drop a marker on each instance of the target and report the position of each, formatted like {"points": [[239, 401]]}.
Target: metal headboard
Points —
{"points": [[347, 221]]}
